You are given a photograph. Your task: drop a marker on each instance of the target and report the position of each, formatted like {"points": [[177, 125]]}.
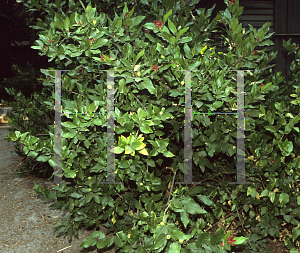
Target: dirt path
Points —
{"points": [[27, 224]]}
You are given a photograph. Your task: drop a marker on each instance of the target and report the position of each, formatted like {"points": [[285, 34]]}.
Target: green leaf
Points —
{"points": [[128, 149], [151, 163], [239, 240], [266, 43], [203, 239], [283, 199], [91, 108], [101, 243], [272, 196], [145, 129], [185, 39], [168, 154], [217, 237], [182, 31], [184, 218], [168, 14], [147, 84], [296, 233], [266, 88], [187, 51], [261, 34], [91, 14], [204, 199], [100, 42], [118, 150], [75, 195], [71, 174], [227, 15], [234, 24], [88, 242], [150, 26], [67, 23], [58, 22], [139, 55], [69, 124], [43, 158], [172, 27], [175, 247], [191, 206], [143, 152]]}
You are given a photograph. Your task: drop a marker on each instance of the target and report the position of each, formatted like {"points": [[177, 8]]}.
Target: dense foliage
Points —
{"points": [[149, 129]]}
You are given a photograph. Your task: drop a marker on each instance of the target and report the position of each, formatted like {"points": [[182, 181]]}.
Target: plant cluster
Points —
{"points": [[148, 212]]}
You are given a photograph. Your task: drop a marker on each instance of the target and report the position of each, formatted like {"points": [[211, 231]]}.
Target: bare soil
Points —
{"points": [[27, 224]]}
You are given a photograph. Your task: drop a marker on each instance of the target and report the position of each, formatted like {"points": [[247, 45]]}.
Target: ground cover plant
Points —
{"points": [[149, 212]]}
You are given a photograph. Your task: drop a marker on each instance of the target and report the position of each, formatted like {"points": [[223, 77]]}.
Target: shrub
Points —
{"points": [[141, 212]]}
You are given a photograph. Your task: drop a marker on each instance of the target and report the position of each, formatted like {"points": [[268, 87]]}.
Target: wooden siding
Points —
{"points": [[287, 25], [285, 22]]}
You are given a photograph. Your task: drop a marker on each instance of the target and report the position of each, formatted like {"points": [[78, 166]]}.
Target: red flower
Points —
{"points": [[294, 46], [272, 160], [232, 2], [159, 24], [255, 52], [126, 15], [155, 67], [230, 240], [262, 84], [102, 58]]}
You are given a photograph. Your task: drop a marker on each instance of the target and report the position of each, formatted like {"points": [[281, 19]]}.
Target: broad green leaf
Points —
{"points": [[151, 163], [139, 55], [182, 31], [175, 247], [168, 154], [69, 124], [272, 196], [100, 42], [91, 14], [295, 233], [217, 237], [239, 240], [138, 145], [168, 14], [88, 242], [71, 174], [67, 23], [91, 108], [234, 24], [58, 22], [172, 27], [203, 239], [191, 206], [118, 150], [150, 26], [43, 158], [185, 39], [227, 15], [187, 51], [147, 84], [143, 152], [266, 88], [145, 129], [204, 199], [184, 216], [283, 199]]}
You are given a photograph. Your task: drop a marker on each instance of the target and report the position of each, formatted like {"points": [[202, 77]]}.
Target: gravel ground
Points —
{"points": [[27, 224]]}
